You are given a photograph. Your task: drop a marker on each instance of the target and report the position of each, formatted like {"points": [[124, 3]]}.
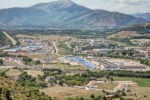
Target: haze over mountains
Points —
{"points": [[64, 14], [145, 16]]}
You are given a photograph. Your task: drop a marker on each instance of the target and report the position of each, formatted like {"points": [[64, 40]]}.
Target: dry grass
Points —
{"points": [[55, 37], [34, 73], [13, 72], [45, 37], [141, 41], [65, 92], [64, 66], [41, 56], [125, 34], [107, 86], [142, 93]]}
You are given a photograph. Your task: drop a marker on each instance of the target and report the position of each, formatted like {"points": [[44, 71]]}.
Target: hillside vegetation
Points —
{"points": [[10, 90], [140, 28], [125, 35]]}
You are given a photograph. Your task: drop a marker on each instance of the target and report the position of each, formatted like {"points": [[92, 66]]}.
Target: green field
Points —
{"points": [[142, 82]]}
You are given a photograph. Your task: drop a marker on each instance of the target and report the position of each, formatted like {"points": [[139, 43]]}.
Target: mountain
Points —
{"points": [[63, 14], [145, 16]]}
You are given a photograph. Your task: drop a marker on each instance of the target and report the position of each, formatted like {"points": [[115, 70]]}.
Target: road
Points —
{"points": [[14, 42], [56, 49]]}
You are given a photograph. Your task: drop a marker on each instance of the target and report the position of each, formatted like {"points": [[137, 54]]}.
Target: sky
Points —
{"points": [[124, 6]]}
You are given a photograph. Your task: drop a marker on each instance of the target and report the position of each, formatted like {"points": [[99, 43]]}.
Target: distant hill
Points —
{"points": [[145, 16], [139, 28], [140, 31], [63, 14]]}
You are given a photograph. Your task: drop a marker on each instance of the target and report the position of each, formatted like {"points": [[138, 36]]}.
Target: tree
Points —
{"points": [[26, 59], [92, 96], [111, 79], [8, 95], [60, 83], [39, 77], [1, 62], [107, 77]]}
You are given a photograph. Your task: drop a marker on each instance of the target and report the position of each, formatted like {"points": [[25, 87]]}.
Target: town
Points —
{"points": [[50, 58]]}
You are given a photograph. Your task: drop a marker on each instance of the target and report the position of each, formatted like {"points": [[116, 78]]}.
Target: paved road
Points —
{"points": [[14, 42], [56, 49]]}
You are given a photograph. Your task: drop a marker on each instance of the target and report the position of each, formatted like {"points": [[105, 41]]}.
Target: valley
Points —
{"points": [[75, 50], [67, 62]]}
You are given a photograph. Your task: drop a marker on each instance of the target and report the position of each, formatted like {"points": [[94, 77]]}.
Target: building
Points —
{"points": [[26, 49], [50, 78], [148, 54], [91, 85], [135, 67], [121, 87]]}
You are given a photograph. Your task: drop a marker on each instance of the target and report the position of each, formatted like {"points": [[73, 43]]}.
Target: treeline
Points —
{"points": [[59, 32], [129, 74], [30, 82], [141, 37], [82, 79]]}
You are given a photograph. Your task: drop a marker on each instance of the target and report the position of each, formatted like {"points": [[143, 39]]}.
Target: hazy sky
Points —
{"points": [[125, 6]]}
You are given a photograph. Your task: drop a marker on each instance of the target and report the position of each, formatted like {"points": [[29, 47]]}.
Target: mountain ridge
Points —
{"points": [[64, 14], [145, 16]]}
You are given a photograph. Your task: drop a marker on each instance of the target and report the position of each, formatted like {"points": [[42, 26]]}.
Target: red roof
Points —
{"points": [[91, 83]]}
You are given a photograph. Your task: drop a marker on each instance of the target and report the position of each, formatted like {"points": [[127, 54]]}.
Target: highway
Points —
{"points": [[14, 42]]}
